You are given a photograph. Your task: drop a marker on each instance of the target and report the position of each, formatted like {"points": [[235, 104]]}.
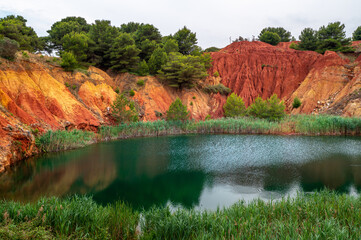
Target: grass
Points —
{"points": [[54, 141], [321, 215]]}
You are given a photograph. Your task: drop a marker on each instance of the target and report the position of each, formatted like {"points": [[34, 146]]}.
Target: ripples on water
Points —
{"points": [[203, 171]]}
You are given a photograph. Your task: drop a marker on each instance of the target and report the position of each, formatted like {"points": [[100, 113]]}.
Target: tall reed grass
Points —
{"points": [[321, 215]]}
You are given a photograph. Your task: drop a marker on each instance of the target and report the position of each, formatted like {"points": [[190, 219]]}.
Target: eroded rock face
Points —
{"points": [[254, 69]]}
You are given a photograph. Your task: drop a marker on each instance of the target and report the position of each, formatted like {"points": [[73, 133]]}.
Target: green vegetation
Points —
{"points": [[272, 109], [157, 60], [325, 215], [270, 37], [356, 36], [331, 37], [68, 61], [283, 34], [14, 27], [54, 141], [219, 88], [140, 83], [183, 71], [296, 102], [216, 74], [8, 48], [124, 109], [234, 106], [186, 39], [177, 111]]}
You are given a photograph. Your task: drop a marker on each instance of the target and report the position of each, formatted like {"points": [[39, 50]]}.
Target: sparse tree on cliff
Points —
{"points": [[124, 110], [8, 48], [234, 107], [68, 61], [177, 111], [272, 109], [308, 39], [77, 43], [285, 36], [333, 37], [270, 37], [357, 34]]}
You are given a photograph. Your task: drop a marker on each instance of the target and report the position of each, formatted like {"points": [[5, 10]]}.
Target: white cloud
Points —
{"points": [[213, 21]]}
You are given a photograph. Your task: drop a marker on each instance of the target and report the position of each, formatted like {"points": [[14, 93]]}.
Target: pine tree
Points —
{"points": [[234, 106], [177, 111]]}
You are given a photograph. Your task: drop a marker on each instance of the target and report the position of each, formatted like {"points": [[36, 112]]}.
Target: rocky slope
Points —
{"points": [[37, 95]]}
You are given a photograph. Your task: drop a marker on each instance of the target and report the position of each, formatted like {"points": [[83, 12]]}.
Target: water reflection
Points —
{"points": [[190, 171]]}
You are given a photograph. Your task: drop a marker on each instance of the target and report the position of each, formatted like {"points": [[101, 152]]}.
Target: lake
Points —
{"points": [[191, 171]]}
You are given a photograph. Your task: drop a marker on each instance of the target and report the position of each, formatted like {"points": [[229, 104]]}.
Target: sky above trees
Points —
{"points": [[213, 21]]}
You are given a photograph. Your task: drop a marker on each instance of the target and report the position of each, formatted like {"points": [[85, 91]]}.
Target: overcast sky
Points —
{"points": [[213, 21]]}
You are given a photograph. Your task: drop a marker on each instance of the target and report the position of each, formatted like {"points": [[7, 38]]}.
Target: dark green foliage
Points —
{"points": [[141, 83], [8, 48], [332, 37], [130, 27], [272, 109], [309, 40], [147, 47], [65, 26], [186, 39], [117, 90], [124, 53], [157, 60], [216, 74], [14, 27], [170, 45], [147, 32], [212, 49], [356, 36], [143, 68], [285, 36], [183, 71], [234, 107], [296, 102], [177, 111], [124, 110], [102, 35], [219, 88], [270, 37], [77, 43], [68, 61], [131, 93]]}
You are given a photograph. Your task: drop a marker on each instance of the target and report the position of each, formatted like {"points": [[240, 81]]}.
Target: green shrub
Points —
{"points": [[216, 74], [270, 37], [117, 90], [219, 88], [25, 54], [234, 107], [131, 93], [272, 109], [140, 83], [124, 110], [69, 62], [177, 111], [296, 102], [8, 48], [194, 97]]}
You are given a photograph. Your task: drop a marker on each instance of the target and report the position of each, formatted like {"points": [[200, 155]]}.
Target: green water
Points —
{"points": [[203, 171]]}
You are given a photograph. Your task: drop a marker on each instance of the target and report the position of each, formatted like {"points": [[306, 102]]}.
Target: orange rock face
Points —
{"points": [[253, 69]]}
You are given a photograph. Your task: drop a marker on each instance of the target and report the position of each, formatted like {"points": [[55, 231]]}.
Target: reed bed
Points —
{"points": [[320, 215], [54, 141]]}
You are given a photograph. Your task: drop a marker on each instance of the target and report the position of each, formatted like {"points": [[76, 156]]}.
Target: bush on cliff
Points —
{"points": [[357, 34], [219, 88], [124, 110], [270, 37], [8, 48], [285, 36], [272, 109], [234, 106], [177, 111], [296, 102], [68, 61]]}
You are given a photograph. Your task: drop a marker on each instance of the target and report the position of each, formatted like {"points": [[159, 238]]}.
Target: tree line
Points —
{"points": [[132, 47]]}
